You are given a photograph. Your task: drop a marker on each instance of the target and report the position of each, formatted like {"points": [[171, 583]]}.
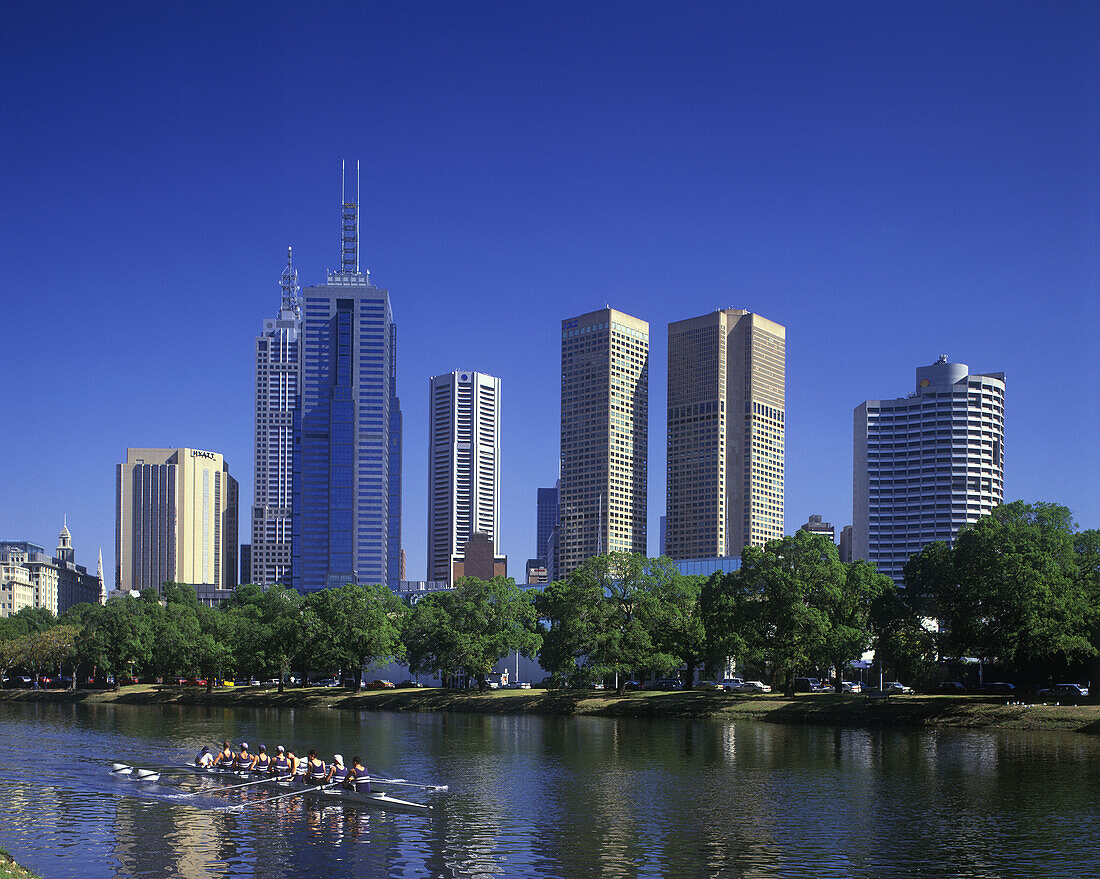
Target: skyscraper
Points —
{"points": [[926, 464], [463, 468], [277, 371], [726, 433], [604, 430], [175, 519], [347, 461]]}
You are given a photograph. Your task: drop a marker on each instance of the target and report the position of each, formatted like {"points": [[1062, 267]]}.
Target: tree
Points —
{"points": [[49, 648], [117, 636], [849, 614], [677, 615], [356, 627], [795, 580], [602, 619], [472, 627], [1011, 589], [270, 629]]}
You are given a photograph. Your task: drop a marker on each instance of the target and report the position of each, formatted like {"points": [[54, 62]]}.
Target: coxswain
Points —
{"points": [[243, 761], [261, 762], [337, 772], [204, 759], [224, 760], [315, 769], [280, 763], [358, 779]]}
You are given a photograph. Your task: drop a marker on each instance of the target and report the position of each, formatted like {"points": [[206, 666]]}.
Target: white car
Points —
{"points": [[755, 687], [895, 688], [851, 687], [732, 684]]}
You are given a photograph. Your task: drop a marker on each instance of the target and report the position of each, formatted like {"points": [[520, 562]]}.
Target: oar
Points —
{"points": [[416, 784], [216, 790], [293, 793]]}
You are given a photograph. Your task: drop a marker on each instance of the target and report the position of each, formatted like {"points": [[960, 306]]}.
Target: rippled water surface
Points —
{"points": [[552, 797]]}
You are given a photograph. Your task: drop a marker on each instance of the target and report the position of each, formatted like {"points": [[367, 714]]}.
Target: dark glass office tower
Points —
{"points": [[347, 443]]}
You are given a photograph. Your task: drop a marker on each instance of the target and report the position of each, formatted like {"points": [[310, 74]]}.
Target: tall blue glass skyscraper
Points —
{"points": [[347, 431]]}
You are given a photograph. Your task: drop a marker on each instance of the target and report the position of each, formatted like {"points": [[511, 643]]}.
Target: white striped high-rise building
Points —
{"points": [[604, 436], [726, 433], [278, 367], [927, 464], [463, 468]]}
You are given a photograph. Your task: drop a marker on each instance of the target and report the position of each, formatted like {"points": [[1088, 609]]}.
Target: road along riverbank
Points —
{"points": [[817, 708]]}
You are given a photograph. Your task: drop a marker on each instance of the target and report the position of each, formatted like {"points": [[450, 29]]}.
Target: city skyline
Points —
{"points": [[889, 185]]}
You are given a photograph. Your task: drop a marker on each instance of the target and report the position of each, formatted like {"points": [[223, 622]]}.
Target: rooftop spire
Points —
{"points": [[289, 283]]}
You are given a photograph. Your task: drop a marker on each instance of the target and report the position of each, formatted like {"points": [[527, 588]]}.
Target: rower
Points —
{"points": [[204, 759], [315, 769], [358, 779], [337, 772], [280, 764], [243, 761], [261, 762], [224, 760]]}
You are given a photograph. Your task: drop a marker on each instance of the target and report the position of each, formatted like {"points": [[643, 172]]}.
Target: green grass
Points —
{"points": [[818, 708], [11, 870]]}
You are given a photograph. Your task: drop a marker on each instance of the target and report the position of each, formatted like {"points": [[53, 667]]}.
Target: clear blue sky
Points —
{"points": [[890, 181]]}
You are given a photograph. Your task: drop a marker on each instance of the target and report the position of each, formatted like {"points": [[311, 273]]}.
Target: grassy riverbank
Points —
{"points": [[11, 870], [820, 708]]}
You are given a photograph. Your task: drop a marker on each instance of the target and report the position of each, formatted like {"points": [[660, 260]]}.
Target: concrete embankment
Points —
{"points": [[818, 708]]}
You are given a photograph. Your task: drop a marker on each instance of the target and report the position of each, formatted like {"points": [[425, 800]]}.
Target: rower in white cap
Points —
{"points": [[337, 772]]}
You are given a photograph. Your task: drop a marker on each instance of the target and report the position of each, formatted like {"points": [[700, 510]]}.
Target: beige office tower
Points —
{"points": [[604, 427], [175, 519], [726, 403]]}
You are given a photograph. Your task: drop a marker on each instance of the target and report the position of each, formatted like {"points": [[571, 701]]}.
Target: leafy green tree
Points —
{"points": [[27, 621], [356, 627], [117, 637], [676, 618], [214, 647], [727, 611], [796, 580], [1011, 589], [471, 627], [270, 629], [602, 620], [48, 649], [849, 614]]}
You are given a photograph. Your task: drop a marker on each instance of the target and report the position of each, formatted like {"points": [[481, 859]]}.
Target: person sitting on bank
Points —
{"points": [[243, 761], [315, 769], [337, 772], [224, 760], [261, 762], [204, 759], [358, 779]]}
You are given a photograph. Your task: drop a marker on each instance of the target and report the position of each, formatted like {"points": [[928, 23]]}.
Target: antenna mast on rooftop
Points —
{"points": [[349, 226], [289, 283]]}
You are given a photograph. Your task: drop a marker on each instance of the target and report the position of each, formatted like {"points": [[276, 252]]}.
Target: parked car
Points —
{"points": [[327, 682], [1065, 691], [632, 685], [999, 688], [809, 685], [195, 682], [708, 685], [732, 684], [851, 687], [380, 685], [755, 687], [952, 688], [518, 685], [896, 688], [664, 684], [410, 683]]}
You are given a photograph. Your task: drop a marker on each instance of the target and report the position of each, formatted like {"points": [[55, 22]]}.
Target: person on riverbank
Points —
{"points": [[224, 760], [204, 759], [316, 771], [358, 779], [337, 772], [261, 762], [243, 761]]}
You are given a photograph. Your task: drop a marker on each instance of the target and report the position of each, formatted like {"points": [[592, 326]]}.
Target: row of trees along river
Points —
{"points": [[1020, 589]]}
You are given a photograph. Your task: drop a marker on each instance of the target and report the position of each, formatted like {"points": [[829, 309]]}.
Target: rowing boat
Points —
{"points": [[374, 800]]}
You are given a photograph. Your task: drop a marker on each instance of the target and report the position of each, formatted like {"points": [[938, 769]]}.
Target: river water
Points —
{"points": [[553, 797]]}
